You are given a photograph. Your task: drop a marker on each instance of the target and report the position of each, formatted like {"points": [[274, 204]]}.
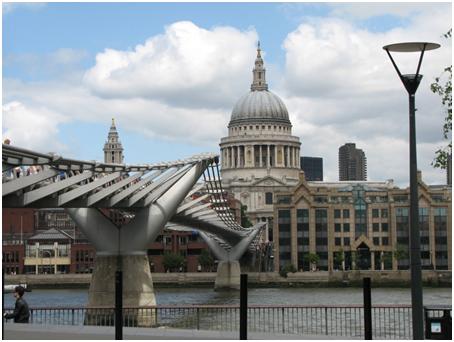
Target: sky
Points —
{"points": [[171, 73]]}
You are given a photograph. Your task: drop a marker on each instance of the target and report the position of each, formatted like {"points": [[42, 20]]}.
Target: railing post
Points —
{"points": [[198, 319], [118, 305], [326, 321], [243, 307], [72, 316], [367, 309], [283, 322]]}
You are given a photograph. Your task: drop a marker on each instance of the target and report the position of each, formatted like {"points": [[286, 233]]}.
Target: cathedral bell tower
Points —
{"points": [[113, 150]]}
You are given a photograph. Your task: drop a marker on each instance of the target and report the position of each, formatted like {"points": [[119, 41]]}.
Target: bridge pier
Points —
{"points": [[228, 275], [137, 290]]}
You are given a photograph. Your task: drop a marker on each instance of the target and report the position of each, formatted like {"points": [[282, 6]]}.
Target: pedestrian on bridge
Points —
{"points": [[21, 313]]}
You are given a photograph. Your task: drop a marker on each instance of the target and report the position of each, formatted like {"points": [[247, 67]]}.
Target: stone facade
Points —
{"points": [[260, 157], [360, 225], [113, 150]]}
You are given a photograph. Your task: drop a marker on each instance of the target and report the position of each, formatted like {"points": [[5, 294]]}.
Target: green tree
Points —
{"points": [[244, 219], [206, 260], [312, 259], [400, 253], [172, 261], [286, 269], [443, 87], [339, 258], [354, 258], [387, 259]]}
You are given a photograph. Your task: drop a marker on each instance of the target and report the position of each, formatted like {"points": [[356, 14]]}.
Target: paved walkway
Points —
{"points": [[67, 332]]}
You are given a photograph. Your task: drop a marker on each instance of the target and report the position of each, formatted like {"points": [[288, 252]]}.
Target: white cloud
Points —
{"points": [[31, 127], [180, 86], [185, 66], [340, 87]]}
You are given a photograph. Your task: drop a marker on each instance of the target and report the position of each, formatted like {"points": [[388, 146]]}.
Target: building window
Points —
{"points": [[337, 241], [337, 213], [375, 213], [337, 227], [376, 227], [384, 241], [346, 241], [384, 227], [346, 227], [376, 241], [346, 213], [384, 213], [268, 198], [284, 236]]}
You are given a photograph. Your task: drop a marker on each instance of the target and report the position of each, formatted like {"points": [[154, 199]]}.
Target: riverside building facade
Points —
{"points": [[360, 225], [260, 157]]}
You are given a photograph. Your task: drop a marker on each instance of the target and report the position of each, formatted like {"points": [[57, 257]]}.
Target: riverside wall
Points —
{"points": [[256, 279]]}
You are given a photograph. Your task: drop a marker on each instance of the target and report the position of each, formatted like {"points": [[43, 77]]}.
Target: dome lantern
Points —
{"points": [[259, 105]]}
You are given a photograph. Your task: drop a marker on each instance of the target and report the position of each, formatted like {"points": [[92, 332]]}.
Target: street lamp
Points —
{"points": [[411, 83]]}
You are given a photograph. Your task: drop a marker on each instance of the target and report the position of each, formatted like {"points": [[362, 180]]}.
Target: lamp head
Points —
{"points": [[410, 81]]}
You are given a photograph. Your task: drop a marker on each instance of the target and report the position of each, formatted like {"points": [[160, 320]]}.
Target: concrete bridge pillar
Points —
{"points": [[137, 290], [228, 275]]}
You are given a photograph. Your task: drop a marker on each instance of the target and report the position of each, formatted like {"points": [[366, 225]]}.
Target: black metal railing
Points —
{"points": [[388, 321]]}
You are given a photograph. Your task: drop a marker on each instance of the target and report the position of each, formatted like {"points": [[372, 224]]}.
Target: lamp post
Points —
{"points": [[411, 83]]}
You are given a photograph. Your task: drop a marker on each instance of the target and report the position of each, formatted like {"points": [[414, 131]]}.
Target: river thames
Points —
{"points": [[265, 296]]}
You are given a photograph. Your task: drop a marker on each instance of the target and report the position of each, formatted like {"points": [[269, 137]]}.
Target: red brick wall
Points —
{"points": [[11, 221], [82, 258], [13, 258]]}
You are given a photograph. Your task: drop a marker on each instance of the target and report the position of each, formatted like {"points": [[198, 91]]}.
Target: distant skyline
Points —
{"points": [[170, 74]]}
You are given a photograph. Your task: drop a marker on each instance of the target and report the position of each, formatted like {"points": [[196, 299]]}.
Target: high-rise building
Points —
{"points": [[313, 168], [260, 157], [113, 150], [352, 163]]}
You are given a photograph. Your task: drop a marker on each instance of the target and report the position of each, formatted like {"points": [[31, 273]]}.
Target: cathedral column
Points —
{"points": [[298, 158], [232, 163], [287, 152], [238, 160], [275, 155], [267, 156], [294, 156], [252, 147], [260, 154]]}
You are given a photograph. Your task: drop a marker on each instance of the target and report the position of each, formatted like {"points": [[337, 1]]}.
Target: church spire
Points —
{"points": [[258, 73], [113, 150]]}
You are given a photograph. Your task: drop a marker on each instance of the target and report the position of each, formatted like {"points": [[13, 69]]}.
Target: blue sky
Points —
{"points": [[69, 67]]}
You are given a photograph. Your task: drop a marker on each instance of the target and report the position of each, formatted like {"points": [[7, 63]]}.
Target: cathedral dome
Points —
{"points": [[259, 106]]}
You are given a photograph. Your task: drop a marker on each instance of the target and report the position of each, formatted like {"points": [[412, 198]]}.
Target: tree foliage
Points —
{"points": [[172, 261], [443, 87], [339, 257], [286, 269], [312, 258], [205, 260], [400, 253]]}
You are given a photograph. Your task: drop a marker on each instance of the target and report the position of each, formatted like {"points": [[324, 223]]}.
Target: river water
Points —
{"points": [[388, 323], [264, 296]]}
